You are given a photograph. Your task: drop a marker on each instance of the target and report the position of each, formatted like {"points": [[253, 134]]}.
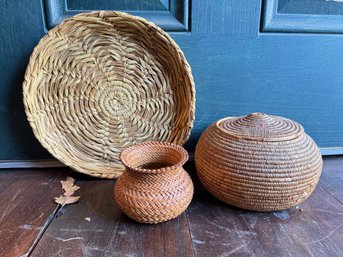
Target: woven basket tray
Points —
{"points": [[102, 81]]}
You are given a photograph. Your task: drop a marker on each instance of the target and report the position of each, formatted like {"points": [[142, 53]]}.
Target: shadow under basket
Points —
{"points": [[154, 187]]}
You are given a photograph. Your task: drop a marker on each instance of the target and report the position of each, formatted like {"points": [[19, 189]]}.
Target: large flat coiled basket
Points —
{"points": [[102, 81], [258, 162]]}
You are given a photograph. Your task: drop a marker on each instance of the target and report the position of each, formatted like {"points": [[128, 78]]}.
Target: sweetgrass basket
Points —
{"points": [[102, 81], [258, 162]]}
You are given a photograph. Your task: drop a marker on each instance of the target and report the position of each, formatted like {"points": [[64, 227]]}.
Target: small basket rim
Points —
{"points": [[167, 145]]}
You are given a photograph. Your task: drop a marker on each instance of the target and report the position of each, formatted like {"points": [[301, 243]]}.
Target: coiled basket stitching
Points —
{"points": [[101, 81], [258, 162], [154, 188]]}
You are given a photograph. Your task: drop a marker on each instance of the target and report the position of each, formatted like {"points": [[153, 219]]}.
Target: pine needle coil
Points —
{"points": [[258, 162]]}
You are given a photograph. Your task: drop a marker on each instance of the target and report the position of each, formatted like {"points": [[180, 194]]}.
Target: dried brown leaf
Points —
{"points": [[69, 189], [68, 182], [63, 200]]}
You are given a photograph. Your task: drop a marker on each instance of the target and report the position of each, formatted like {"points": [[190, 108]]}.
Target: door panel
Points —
{"points": [[170, 15], [316, 7], [305, 16], [151, 5], [21, 28], [240, 63]]}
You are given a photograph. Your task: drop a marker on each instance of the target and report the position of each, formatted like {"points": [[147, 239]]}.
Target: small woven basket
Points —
{"points": [[258, 162], [102, 81], [154, 188]]}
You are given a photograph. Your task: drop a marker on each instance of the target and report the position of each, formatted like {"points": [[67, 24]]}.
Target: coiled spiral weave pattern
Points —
{"points": [[101, 81], [258, 162]]}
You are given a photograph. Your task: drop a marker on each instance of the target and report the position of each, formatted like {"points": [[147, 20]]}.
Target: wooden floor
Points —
{"points": [[31, 224]]}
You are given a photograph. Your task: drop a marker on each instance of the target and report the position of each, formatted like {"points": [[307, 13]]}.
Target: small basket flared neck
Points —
{"points": [[260, 127], [154, 157]]}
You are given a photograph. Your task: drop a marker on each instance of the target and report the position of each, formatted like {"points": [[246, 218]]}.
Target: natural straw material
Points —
{"points": [[258, 162], [154, 188], [101, 81]]}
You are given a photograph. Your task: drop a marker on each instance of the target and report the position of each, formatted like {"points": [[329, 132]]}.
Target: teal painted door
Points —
{"points": [[280, 57]]}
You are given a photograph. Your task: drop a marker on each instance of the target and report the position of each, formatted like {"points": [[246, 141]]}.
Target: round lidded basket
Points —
{"points": [[154, 188], [258, 162], [102, 81]]}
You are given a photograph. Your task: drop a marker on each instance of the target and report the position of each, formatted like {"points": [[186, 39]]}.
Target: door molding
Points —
{"points": [[43, 163], [273, 21], [174, 18]]}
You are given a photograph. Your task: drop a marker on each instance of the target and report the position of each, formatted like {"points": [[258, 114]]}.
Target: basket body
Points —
{"points": [[258, 162], [102, 81], [154, 188]]}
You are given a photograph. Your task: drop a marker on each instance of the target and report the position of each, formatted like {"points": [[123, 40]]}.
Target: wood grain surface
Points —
{"points": [[110, 232], [26, 207], [314, 228], [31, 223]]}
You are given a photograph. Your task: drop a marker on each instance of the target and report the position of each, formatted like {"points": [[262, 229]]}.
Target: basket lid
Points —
{"points": [[260, 127]]}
